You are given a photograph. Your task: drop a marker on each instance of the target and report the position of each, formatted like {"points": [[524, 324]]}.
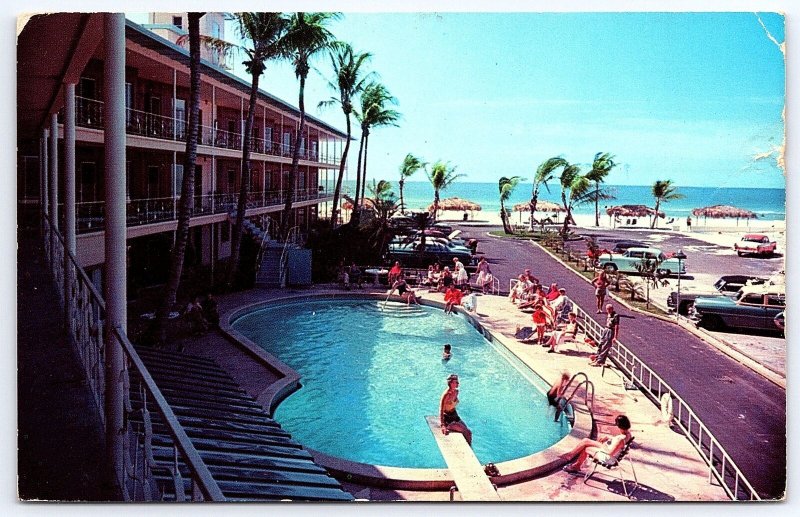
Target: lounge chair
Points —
{"points": [[614, 465]]}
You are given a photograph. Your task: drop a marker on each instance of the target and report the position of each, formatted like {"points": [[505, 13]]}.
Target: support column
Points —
{"points": [[115, 243], [53, 182], [43, 187], [69, 200]]}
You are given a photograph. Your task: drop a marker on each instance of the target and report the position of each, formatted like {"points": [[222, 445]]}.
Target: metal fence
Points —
{"points": [[721, 466], [143, 478]]}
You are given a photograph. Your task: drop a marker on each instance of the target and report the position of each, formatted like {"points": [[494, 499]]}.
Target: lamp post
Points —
{"points": [[681, 256]]}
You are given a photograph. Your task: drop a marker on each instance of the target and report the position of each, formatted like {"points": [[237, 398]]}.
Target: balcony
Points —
{"points": [[91, 215], [89, 113]]}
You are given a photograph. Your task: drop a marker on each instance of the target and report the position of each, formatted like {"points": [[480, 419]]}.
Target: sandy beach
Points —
{"points": [[723, 232]]}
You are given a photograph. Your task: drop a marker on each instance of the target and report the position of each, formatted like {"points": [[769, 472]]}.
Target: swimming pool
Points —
{"points": [[371, 373]]}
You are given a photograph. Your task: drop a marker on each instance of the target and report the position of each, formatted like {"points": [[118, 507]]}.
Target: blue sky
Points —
{"points": [[691, 97]]}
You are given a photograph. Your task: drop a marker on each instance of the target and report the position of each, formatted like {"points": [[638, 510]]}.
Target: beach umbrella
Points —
{"points": [[724, 211]]}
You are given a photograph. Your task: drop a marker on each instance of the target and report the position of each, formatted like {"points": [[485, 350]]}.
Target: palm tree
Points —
{"points": [[506, 186], [350, 80], [186, 202], [442, 175], [601, 166], [664, 192], [373, 113], [306, 38], [544, 173], [266, 32], [575, 190], [410, 165], [385, 206]]}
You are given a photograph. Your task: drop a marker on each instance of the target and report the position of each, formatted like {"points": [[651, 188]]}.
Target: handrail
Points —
{"points": [[588, 400], [205, 481], [264, 239], [729, 475], [291, 238], [86, 326]]}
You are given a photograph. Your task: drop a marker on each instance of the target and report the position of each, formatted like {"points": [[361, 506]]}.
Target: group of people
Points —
{"points": [[349, 275], [202, 314], [601, 449]]}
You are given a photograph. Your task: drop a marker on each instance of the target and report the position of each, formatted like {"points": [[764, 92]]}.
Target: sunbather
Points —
{"points": [[603, 450]]}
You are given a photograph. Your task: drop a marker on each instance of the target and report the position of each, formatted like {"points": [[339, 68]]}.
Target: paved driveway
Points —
{"points": [[744, 411]]}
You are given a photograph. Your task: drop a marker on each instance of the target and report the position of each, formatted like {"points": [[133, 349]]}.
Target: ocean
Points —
{"points": [[768, 203]]}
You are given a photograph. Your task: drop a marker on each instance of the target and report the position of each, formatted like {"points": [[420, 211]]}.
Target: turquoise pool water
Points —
{"points": [[370, 376]]}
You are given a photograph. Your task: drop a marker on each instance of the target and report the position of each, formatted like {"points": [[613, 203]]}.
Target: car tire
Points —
{"points": [[664, 272], [739, 253], [711, 323], [683, 310], [610, 268]]}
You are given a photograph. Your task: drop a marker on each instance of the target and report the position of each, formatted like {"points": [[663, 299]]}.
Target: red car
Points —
{"points": [[757, 243]]}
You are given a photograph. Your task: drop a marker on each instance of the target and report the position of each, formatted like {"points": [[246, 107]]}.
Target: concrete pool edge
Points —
{"points": [[511, 471]]}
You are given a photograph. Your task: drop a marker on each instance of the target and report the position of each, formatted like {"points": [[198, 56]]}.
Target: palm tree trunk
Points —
{"points": [[364, 169], [287, 207], [338, 189], [186, 203], [435, 203], [534, 201], [241, 206], [655, 216], [355, 214], [597, 203], [402, 204], [504, 218]]}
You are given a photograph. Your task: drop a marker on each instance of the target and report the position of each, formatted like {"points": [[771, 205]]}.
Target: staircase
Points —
{"points": [[246, 451]]}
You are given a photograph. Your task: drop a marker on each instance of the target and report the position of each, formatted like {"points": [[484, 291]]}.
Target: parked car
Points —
{"points": [[409, 254], [622, 246], [627, 262], [756, 243], [753, 307], [780, 320], [727, 285]]}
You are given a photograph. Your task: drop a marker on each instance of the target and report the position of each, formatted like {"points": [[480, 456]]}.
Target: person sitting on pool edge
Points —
{"points": [[449, 420], [405, 293], [601, 450], [447, 354], [452, 298]]}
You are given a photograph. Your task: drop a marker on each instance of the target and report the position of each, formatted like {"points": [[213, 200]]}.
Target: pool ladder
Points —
{"points": [[581, 380]]}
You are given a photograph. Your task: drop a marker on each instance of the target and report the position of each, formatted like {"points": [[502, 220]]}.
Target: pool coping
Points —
{"points": [[512, 471]]}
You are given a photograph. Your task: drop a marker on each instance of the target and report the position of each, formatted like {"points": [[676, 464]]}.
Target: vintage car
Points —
{"points": [[727, 285], [410, 255], [753, 307], [623, 246], [756, 243], [627, 262]]}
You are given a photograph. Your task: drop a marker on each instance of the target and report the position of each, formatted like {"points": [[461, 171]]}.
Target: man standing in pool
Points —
{"points": [[448, 417]]}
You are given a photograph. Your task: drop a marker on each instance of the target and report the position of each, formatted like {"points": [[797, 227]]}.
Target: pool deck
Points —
{"points": [[667, 465]]}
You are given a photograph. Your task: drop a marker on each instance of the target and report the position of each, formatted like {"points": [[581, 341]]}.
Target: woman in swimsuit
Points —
{"points": [[448, 417], [608, 448]]}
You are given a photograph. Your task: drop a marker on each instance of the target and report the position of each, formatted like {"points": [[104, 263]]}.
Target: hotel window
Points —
{"points": [[287, 142], [177, 180], [226, 231], [87, 88], [88, 182], [180, 118], [177, 21]]}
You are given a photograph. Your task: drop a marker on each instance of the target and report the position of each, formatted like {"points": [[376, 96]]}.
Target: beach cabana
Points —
{"points": [[631, 211], [457, 204], [724, 211], [541, 206]]}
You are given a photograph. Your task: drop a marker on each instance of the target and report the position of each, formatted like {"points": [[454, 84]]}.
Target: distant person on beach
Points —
{"points": [[689, 223], [448, 416], [601, 283], [447, 354]]}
